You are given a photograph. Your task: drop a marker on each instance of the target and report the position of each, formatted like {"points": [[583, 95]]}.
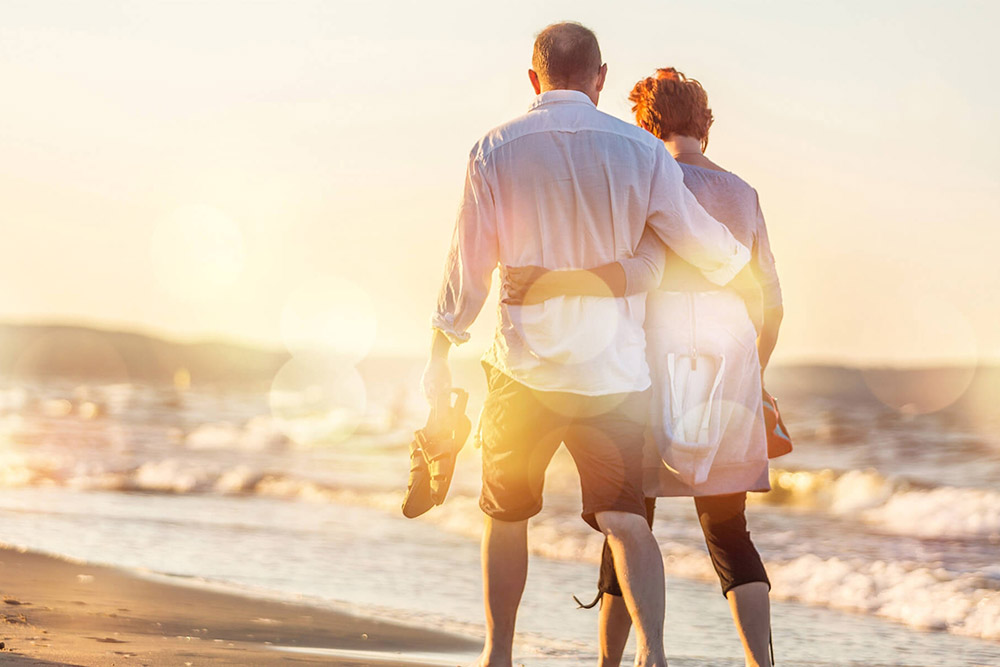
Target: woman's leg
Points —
{"points": [[741, 571], [614, 623], [751, 611]]}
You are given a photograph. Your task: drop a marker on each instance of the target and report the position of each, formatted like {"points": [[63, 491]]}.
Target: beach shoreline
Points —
{"points": [[61, 612]]}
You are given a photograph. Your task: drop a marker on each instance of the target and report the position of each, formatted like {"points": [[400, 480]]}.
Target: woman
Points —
{"points": [[706, 436]]}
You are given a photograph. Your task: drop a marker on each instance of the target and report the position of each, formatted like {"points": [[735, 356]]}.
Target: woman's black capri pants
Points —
{"points": [[724, 523]]}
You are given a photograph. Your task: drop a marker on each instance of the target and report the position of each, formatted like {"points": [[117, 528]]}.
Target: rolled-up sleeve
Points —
{"points": [[644, 269], [472, 257], [687, 229], [762, 264]]}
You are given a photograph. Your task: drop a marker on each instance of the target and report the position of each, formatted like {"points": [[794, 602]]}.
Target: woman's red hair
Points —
{"points": [[670, 103]]}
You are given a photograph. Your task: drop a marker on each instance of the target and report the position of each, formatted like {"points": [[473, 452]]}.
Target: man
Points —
{"points": [[566, 186]]}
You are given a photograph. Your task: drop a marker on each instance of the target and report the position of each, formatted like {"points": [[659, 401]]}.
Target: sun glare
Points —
{"points": [[579, 346], [314, 402], [197, 252], [329, 316]]}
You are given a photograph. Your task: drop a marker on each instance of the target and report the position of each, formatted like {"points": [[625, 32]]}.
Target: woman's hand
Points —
{"points": [[745, 284], [523, 285]]}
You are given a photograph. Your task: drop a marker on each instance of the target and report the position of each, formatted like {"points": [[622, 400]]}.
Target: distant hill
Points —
{"points": [[40, 351]]}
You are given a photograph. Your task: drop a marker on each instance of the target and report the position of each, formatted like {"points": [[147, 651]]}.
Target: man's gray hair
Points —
{"points": [[566, 54]]}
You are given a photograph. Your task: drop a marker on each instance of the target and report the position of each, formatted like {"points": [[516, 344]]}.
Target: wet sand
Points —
{"points": [[57, 612]]}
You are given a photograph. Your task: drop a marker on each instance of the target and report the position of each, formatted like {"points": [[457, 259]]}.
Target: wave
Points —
{"points": [[258, 434], [917, 594], [890, 505], [945, 512], [912, 593], [885, 504], [893, 505]]}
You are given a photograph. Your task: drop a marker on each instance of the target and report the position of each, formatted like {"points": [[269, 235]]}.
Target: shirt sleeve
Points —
{"points": [[472, 257], [644, 270], [686, 228], [762, 264]]}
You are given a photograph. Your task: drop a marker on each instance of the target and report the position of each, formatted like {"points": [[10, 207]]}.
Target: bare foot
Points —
{"points": [[485, 659]]}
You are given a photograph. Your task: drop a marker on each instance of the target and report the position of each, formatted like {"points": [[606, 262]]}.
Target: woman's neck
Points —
{"points": [[688, 150]]}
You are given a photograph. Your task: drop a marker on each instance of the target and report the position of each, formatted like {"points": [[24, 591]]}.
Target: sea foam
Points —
{"points": [[892, 505]]}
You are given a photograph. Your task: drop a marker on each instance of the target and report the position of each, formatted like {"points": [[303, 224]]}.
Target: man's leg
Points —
{"points": [[614, 623], [606, 440], [519, 437], [640, 573], [505, 567]]}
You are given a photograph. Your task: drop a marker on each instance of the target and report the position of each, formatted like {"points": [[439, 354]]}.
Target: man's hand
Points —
{"points": [[436, 381], [520, 285]]}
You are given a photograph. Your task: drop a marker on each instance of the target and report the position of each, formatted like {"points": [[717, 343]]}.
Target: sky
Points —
{"points": [[267, 172]]}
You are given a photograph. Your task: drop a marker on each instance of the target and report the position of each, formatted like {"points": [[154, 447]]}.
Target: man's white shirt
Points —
{"points": [[566, 186]]}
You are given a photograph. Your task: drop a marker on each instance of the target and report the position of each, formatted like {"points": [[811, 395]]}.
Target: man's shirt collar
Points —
{"points": [[559, 97]]}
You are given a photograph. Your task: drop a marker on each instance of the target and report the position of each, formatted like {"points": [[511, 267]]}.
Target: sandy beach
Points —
{"points": [[58, 612]]}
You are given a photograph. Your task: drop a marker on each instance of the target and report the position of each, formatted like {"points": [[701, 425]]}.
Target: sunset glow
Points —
{"points": [[227, 177], [318, 345]]}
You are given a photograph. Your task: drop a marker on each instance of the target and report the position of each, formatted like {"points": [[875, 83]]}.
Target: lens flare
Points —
{"points": [[197, 253], [315, 402], [570, 405], [919, 391], [330, 317], [534, 323], [943, 333]]}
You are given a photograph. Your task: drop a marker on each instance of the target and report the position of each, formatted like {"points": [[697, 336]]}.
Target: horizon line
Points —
{"points": [[278, 348]]}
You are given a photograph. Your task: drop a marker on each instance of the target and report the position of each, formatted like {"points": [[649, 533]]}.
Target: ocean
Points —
{"points": [[881, 536]]}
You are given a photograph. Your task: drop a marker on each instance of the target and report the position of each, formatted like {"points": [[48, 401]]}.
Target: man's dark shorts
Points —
{"points": [[521, 429]]}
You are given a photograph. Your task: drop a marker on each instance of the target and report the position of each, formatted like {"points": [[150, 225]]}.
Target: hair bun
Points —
{"points": [[669, 74]]}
